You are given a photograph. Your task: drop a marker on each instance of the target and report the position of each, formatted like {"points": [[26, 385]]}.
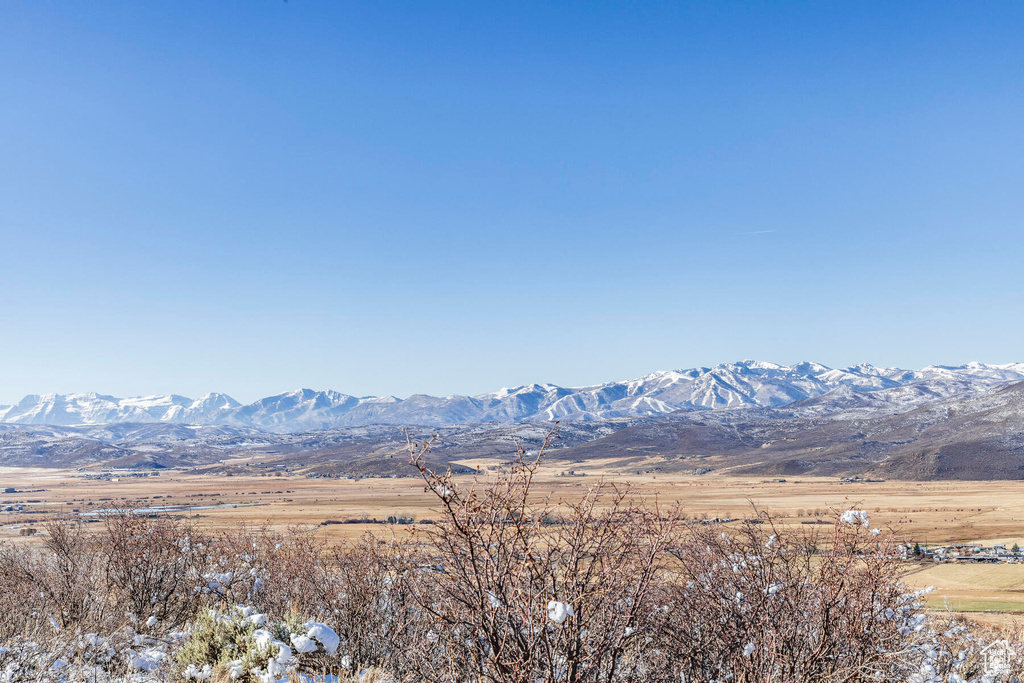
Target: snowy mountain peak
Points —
{"points": [[759, 365], [744, 384]]}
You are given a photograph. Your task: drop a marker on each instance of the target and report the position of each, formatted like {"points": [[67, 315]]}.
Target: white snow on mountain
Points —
{"points": [[745, 384]]}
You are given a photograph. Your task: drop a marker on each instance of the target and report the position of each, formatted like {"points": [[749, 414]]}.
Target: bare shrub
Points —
{"points": [[20, 581], [375, 611], [289, 572], [73, 575], [360, 591], [58, 582], [756, 604], [155, 566], [514, 598], [956, 647]]}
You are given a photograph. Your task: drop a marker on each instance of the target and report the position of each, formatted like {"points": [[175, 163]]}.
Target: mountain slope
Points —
{"points": [[745, 384], [956, 435], [946, 427]]}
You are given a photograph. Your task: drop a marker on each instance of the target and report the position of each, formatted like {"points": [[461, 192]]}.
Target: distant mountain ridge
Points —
{"points": [[744, 384], [927, 430]]}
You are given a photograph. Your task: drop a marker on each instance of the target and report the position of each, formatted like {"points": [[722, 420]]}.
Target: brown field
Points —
{"points": [[926, 512]]}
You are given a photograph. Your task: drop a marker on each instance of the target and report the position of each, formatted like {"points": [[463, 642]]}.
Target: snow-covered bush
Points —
{"points": [[854, 517], [223, 644], [60, 656], [241, 644]]}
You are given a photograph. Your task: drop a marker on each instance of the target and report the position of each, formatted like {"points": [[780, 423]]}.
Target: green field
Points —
{"points": [[973, 588]]}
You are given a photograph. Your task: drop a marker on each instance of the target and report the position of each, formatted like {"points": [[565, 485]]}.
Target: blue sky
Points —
{"points": [[453, 197]]}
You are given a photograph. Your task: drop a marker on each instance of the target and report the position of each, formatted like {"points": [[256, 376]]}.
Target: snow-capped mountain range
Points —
{"points": [[744, 384]]}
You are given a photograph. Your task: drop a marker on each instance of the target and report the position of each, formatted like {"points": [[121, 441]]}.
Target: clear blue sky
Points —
{"points": [[445, 198]]}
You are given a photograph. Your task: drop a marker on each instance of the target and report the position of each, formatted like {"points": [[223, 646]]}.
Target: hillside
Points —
{"points": [[938, 423], [978, 436]]}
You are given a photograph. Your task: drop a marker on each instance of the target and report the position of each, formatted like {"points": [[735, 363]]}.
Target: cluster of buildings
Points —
{"points": [[966, 553], [109, 475]]}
